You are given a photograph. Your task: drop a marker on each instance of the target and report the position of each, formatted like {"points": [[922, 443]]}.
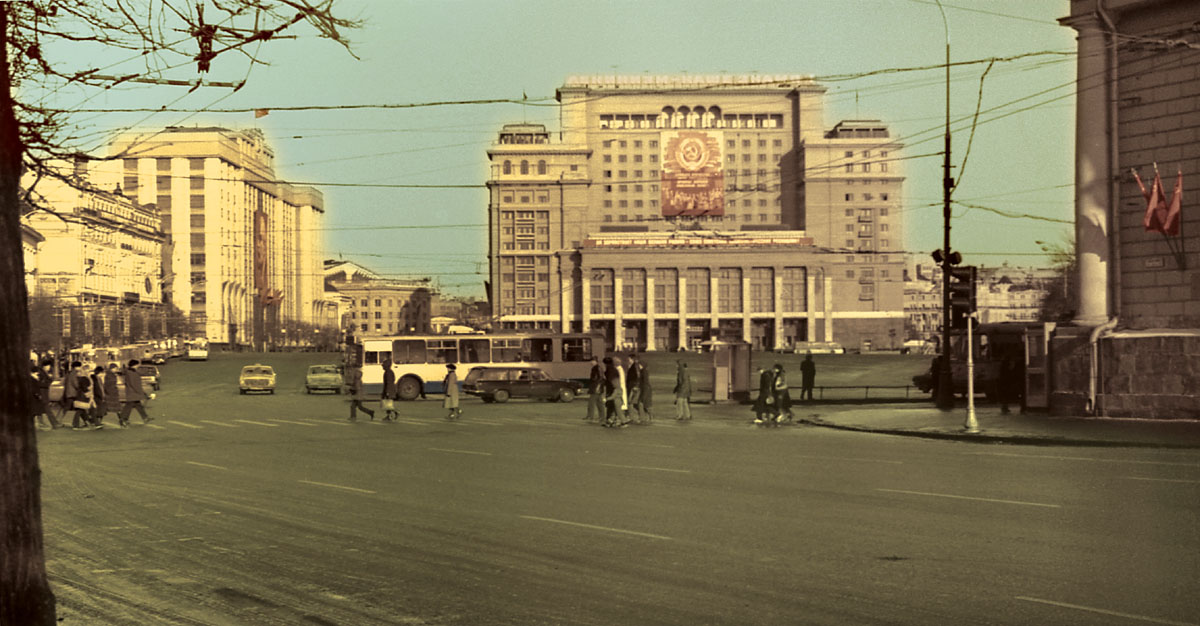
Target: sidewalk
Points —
{"points": [[925, 420]]}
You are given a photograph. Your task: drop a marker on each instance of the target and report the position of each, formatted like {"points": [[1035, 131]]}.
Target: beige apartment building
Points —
{"points": [[671, 210], [244, 258]]}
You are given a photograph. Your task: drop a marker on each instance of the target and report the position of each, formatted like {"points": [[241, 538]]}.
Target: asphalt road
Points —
{"points": [[275, 510]]}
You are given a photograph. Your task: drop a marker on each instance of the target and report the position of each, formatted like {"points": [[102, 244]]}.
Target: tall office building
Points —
{"points": [[671, 210], [244, 259]]}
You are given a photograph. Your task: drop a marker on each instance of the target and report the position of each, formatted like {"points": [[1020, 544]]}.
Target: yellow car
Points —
{"points": [[257, 377]]}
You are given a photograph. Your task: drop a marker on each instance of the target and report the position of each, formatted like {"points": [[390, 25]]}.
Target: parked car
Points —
{"points": [[323, 377], [160, 357], [498, 384], [257, 377], [150, 376]]}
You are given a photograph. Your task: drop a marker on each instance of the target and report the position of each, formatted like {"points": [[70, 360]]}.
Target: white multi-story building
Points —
{"points": [[244, 259]]}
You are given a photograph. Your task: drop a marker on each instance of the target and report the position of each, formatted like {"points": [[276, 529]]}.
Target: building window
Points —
{"points": [[792, 290], [762, 290], [698, 294], [602, 291], [666, 290], [507, 167], [197, 259], [524, 168], [633, 291], [196, 202], [883, 211], [542, 168], [729, 290]]}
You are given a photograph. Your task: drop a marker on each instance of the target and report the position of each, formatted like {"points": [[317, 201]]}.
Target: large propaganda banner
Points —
{"points": [[693, 181]]}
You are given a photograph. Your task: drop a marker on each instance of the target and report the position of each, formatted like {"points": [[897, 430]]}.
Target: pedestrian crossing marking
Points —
{"points": [[155, 426], [219, 424], [184, 424], [257, 423], [291, 422]]}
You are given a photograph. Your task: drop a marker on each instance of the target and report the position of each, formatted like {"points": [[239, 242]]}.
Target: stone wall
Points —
{"points": [[1150, 377], [1070, 355]]}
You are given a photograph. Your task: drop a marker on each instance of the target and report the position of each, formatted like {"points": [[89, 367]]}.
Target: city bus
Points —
{"points": [[419, 361], [197, 350]]}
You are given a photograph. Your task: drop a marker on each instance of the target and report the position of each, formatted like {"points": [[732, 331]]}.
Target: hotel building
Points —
{"points": [[667, 211]]}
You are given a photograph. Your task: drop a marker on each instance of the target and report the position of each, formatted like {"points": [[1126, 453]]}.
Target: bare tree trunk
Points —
{"points": [[25, 596]]}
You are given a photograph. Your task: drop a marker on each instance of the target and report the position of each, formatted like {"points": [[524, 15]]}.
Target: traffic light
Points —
{"points": [[962, 295]]}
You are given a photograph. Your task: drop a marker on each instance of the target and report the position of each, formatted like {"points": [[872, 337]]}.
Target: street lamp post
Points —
{"points": [[945, 387]]}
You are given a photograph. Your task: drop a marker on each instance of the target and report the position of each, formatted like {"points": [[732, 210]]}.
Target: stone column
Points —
{"points": [[777, 306], [564, 303], [1092, 175], [810, 312], [828, 307], [682, 330], [650, 338], [618, 303], [747, 322]]}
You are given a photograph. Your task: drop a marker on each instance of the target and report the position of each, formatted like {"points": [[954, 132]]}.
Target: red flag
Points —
{"points": [[1156, 206], [1170, 223], [261, 113]]}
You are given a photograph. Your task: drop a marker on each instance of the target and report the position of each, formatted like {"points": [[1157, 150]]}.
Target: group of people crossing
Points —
{"points": [[91, 395], [620, 395]]}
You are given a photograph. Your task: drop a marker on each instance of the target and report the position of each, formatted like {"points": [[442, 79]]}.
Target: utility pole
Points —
{"points": [[945, 387]]}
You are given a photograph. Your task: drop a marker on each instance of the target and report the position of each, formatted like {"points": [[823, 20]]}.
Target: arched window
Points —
{"points": [[524, 168], [508, 167], [542, 168]]}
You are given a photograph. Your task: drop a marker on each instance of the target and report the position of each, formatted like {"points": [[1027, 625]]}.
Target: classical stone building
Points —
{"points": [[1135, 337], [99, 266], [671, 210], [244, 262], [376, 306]]}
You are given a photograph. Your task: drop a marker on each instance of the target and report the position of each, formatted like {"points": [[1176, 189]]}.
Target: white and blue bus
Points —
{"points": [[419, 361]]}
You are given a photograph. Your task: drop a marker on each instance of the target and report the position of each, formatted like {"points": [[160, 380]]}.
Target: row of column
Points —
{"points": [[810, 313]]}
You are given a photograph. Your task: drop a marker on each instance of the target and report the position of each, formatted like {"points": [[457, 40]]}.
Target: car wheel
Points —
{"points": [[408, 388], [500, 396], [565, 395], [487, 399], [308, 390], [271, 391]]}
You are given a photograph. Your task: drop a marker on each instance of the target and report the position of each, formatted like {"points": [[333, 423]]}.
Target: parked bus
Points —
{"points": [[419, 361]]}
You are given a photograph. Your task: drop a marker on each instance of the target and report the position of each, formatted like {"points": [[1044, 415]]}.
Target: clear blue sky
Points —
{"points": [[1020, 160]]}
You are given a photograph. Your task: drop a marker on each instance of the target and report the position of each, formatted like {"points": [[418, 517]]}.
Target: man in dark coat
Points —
{"points": [[71, 386], [764, 406], [41, 390], [112, 394], [388, 395], [683, 392], [356, 395], [808, 377], [595, 404], [134, 395]]}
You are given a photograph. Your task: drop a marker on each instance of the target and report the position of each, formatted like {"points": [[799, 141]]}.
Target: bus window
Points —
{"points": [[474, 351], [576, 349], [539, 350], [372, 358], [506, 350], [406, 351], [443, 350]]}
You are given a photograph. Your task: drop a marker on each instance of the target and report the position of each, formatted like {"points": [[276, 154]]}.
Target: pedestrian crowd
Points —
{"points": [[91, 395]]}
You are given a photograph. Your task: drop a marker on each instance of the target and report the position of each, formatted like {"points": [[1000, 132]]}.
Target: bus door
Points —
{"points": [[1037, 365]]}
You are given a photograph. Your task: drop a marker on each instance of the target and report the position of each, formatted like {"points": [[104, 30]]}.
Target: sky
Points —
{"points": [[1020, 161]]}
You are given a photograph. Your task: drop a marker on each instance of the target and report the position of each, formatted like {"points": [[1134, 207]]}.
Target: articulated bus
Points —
{"points": [[419, 361]]}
